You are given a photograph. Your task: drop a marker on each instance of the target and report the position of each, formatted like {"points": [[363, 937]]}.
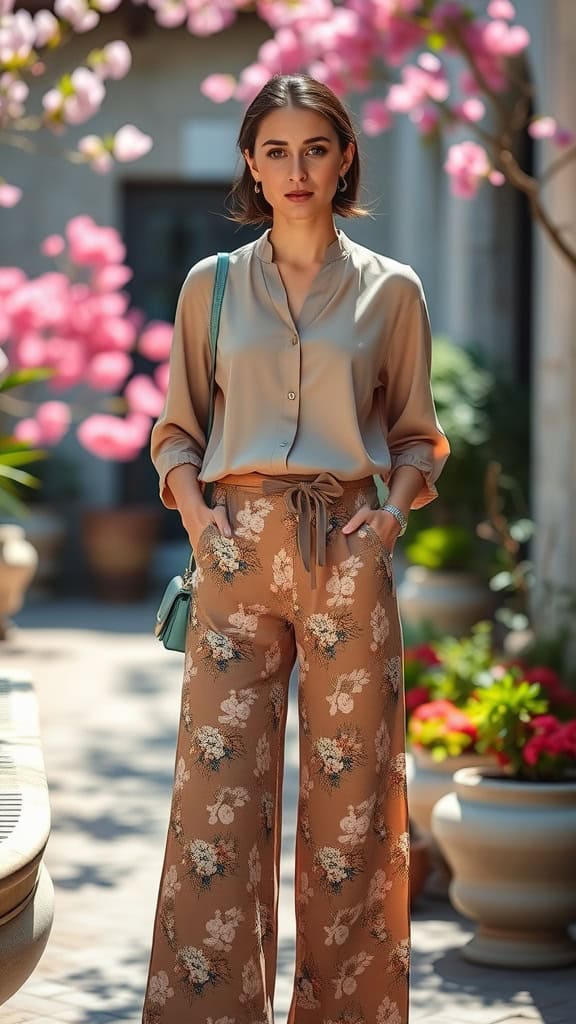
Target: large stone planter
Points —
{"points": [[452, 601], [429, 780], [18, 562], [512, 849]]}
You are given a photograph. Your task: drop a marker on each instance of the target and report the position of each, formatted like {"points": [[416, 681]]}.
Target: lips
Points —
{"points": [[299, 193]]}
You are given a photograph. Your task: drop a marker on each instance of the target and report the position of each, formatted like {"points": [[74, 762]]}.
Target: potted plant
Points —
{"points": [[509, 831], [445, 584]]}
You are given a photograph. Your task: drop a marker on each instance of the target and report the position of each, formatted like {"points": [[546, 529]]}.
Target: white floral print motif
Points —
{"points": [[262, 756], [382, 745], [341, 584], [207, 861], [339, 930], [221, 1020], [245, 621], [345, 982], [221, 648], [397, 773], [282, 572], [197, 969], [254, 869], [227, 798], [251, 984], [237, 706], [160, 989], [190, 669], [380, 626], [388, 1012], [374, 918], [214, 746], [222, 930], [393, 674], [303, 664], [400, 857], [399, 960], [272, 660], [182, 775], [334, 868], [308, 985], [252, 517], [332, 756], [305, 890], [356, 822], [340, 699]]}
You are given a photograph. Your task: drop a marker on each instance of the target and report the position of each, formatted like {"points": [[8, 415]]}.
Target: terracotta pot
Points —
{"points": [[46, 530], [452, 601], [512, 849], [119, 545], [429, 780], [18, 562]]}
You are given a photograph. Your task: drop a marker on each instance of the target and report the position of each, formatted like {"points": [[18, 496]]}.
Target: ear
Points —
{"points": [[347, 157], [250, 160]]}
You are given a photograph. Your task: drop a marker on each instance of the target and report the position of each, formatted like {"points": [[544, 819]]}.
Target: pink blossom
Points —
{"points": [[108, 370], [53, 245], [130, 144], [113, 61], [471, 109], [376, 117], [93, 245], [108, 279], [161, 376], [77, 13], [114, 335], [30, 350], [426, 119], [564, 137], [98, 156], [46, 26], [13, 95], [543, 128], [169, 13], [27, 430], [501, 9], [207, 18], [53, 419], [251, 81], [87, 99], [143, 396], [6, 7], [11, 278], [496, 178], [466, 163], [17, 38], [503, 40], [218, 88], [110, 437], [278, 15], [10, 195], [156, 341]]}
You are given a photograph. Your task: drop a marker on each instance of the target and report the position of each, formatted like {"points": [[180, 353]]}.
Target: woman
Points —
{"points": [[323, 380]]}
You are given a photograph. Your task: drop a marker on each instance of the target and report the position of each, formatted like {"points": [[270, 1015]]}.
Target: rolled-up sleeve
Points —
{"points": [[179, 434], [414, 435]]}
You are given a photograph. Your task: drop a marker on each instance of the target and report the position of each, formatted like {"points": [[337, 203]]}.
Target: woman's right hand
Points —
{"points": [[196, 519]]}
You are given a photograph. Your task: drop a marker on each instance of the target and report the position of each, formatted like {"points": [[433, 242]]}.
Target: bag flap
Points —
{"points": [[173, 590]]}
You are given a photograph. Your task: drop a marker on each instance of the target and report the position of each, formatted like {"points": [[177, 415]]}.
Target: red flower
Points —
{"points": [[434, 709], [415, 697], [424, 653], [547, 677]]}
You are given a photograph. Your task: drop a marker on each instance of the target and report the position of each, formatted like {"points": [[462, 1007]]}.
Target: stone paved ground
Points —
{"points": [[109, 702]]}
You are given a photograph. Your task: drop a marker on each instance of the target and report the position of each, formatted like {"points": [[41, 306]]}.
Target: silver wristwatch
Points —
{"points": [[398, 514]]}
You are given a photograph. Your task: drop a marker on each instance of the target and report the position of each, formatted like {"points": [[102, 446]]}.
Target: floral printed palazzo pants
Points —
{"points": [[256, 609]]}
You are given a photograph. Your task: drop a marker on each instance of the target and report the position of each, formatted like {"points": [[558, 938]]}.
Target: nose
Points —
{"points": [[298, 171]]}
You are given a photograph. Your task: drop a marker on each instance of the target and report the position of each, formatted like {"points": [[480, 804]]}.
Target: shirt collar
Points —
{"points": [[337, 250]]}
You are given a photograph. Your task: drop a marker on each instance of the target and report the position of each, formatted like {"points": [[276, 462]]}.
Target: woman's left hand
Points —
{"points": [[383, 523]]}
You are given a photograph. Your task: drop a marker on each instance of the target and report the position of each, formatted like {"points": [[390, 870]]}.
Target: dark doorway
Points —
{"points": [[167, 228]]}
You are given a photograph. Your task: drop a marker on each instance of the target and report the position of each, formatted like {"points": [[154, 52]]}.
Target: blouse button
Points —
{"points": [[294, 339], [291, 395]]}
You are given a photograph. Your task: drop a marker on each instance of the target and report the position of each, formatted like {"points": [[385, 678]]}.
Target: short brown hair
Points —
{"points": [[249, 207]]}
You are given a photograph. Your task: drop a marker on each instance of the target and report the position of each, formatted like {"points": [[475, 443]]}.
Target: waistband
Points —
{"points": [[303, 495]]}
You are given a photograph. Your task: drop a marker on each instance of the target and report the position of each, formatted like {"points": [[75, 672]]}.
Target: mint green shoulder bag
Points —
{"points": [[174, 608]]}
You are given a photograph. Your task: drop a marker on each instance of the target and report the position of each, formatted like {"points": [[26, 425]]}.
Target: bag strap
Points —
{"points": [[217, 298]]}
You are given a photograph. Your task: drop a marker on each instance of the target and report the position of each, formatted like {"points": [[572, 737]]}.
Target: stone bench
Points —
{"points": [[26, 890]]}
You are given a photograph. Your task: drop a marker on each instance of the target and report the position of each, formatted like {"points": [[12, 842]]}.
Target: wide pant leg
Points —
{"points": [[214, 950], [352, 859]]}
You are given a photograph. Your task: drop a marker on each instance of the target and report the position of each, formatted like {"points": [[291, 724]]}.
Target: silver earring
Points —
{"points": [[342, 187], [257, 188]]}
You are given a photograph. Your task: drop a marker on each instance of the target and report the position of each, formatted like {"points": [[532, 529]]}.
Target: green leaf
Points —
{"points": [[20, 458], [19, 475], [27, 376]]}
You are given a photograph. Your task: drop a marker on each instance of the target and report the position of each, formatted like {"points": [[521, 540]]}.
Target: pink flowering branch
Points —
{"points": [[75, 322]]}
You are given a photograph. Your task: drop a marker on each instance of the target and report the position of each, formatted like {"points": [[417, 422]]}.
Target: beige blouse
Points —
{"points": [[346, 389]]}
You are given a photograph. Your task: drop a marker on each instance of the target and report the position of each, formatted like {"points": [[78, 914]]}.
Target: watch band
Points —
{"points": [[398, 514]]}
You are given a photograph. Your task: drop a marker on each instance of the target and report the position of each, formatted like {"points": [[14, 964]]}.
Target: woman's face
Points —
{"points": [[298, 151]]}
